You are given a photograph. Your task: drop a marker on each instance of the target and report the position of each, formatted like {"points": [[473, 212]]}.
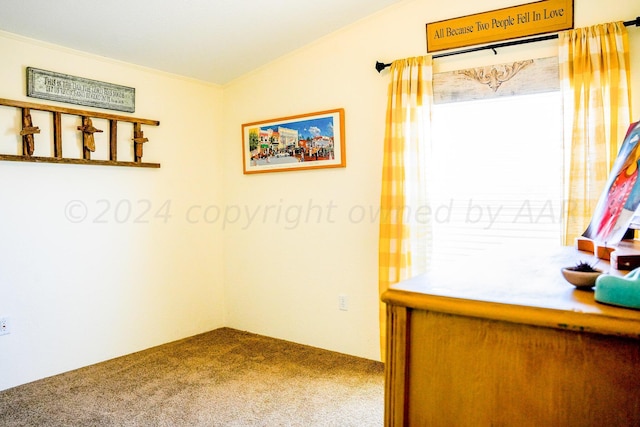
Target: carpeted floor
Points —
{"points": [[224, 377]]}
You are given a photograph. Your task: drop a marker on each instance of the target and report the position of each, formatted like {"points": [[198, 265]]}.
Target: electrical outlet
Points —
{"points": [[343, 302], [5, 326]]}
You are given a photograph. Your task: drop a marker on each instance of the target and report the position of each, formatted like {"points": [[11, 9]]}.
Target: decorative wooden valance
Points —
{"points": [[29, 131], [492, 81]]}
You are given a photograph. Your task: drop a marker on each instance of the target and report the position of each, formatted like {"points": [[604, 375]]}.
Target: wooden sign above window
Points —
{"points": [[503, 24]]}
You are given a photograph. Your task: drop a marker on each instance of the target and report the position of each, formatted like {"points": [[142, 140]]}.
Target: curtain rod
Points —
{"points": [[381, 66]]}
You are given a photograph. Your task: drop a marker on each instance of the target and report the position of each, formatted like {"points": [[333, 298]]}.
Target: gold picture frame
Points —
{"points": [[300, 142]]}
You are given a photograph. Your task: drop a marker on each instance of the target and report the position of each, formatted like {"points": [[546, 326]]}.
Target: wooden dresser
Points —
{"points": [[509, 343]]}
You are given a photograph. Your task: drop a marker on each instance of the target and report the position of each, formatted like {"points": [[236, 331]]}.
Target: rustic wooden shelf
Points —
{"points": [[86, 127], [70, 161]]}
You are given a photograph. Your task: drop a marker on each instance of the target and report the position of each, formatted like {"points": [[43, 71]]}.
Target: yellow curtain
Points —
{"points": [[595, 81], [404, 225]]}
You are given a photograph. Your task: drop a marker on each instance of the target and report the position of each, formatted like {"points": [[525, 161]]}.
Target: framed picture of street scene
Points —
{"points": [[306, 141]]}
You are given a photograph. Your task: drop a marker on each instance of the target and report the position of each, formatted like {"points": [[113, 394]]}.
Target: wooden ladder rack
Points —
{"points": [[28, 131]]}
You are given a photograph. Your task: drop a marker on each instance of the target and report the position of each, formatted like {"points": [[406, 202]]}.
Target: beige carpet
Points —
{"points": [[221, 378]]}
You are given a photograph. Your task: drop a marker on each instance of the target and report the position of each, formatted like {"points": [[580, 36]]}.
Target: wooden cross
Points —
{"points": [[88, 141], [27, 132], [138, 140]]}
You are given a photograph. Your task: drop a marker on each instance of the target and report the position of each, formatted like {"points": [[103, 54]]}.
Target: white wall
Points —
{"points": [[79, 293], [285, 282]]}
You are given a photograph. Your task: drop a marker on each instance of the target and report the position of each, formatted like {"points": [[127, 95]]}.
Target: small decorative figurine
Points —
{"points": [[27, 132], [620, 291], [88, 141]]}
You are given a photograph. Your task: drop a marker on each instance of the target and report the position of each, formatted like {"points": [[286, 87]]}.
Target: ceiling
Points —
{"points": [[210, 40]]}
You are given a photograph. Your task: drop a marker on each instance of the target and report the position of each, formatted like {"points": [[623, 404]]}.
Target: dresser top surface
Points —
{"points": [[524, 288]]}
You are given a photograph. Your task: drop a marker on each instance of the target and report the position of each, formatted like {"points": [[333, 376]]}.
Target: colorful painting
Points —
{"points": [[307, 141], [618, 204]]}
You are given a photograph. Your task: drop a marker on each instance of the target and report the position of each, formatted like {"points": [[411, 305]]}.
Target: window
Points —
{"points": [[497, 174]]}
